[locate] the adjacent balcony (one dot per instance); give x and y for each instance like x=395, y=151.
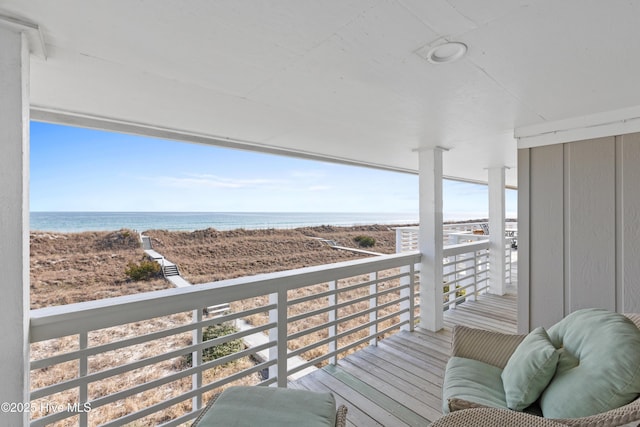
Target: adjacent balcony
x=351, y=328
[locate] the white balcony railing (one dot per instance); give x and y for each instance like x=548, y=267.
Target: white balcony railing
x=465, y=258
x=465, y=271
x=139, y=359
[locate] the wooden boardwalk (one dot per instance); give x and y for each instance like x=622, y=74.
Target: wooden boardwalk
x=398, y=382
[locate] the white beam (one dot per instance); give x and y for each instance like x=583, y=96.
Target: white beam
x=608, y=123
x=430, y=238
x=497, y=262
x=14, y=221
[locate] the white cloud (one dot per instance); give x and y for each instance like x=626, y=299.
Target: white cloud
x=214, y=181
x=311, y=173
x=319, y=188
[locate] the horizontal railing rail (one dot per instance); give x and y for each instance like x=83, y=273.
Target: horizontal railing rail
x=147, y=358
x=465, y=258
x=465, y=272
x=407, y=237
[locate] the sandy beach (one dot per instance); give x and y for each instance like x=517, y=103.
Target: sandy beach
x=74, y=267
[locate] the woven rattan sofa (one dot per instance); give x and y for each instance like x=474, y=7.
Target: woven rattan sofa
x=496, y=349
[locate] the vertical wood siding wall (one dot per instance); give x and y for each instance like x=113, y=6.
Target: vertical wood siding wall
x=579, y=228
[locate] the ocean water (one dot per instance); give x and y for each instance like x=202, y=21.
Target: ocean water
x=70, y=222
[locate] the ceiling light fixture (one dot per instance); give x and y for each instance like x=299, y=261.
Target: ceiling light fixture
x=446, y=53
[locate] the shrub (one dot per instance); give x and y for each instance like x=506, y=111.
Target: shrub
x=123, y=239
x=365, y=241
x=460, y=293
x=144, y=270
x=220, y=350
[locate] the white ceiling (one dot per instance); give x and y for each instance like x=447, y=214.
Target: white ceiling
x=339, y=79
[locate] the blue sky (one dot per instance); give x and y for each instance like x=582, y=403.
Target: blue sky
x=75, y=169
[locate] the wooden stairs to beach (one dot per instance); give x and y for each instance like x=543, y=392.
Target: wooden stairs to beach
x=146, y=242
x=170, y=270
x=171, y=273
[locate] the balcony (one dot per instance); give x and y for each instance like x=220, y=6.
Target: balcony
x=143, y=359
x=398, y=382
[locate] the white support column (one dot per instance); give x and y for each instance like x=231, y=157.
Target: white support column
x=497, y=262
x=430, y=239
x=14, y=220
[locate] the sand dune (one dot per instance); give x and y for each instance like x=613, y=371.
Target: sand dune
x=74, y=267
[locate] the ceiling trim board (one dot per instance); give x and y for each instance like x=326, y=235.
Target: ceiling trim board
x=609, y=123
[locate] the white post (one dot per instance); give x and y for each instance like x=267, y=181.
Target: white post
x=333, y=316
x=373, y=303
x=197, y=337
x=407, y=284
x=278, y=315
x=14, y=220
x=84, y=371
x=497, y=262
x=431, y=238
x=474, y=294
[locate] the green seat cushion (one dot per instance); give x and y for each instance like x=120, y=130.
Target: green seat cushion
x=473, y=381
x=270, y=407
x=529, y=370
x=599, y=365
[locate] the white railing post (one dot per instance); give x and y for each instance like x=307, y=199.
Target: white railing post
x=474, y=294
x=412, y=296
x=399, y=233
x=508, y=262
x=453, y=283
x=196, y=360
x=278, y=334
x=84, y=370
x=406, y=291
x=333, y=316
x=373, y=303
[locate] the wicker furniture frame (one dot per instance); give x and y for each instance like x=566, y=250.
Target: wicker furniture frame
x=495, y=349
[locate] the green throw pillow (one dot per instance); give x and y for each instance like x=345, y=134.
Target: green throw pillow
x=599, y=367
x=529, y=370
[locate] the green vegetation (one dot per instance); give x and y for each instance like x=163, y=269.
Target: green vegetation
x=365, y=241
x=220, y=350
x=459, y=293
x=144, y=270
x=123, y=239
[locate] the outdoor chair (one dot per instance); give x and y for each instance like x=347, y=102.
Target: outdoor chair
x=591, y=361
x=249, y=406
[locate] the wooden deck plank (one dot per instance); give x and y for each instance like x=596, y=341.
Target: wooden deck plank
x=399, y=368
x=435, y=365
x=355, y=416
x=426, y=392
x=357, y=397
x=392, y=406
x=382, y=367
x=399, y=381
x=399, y=391
x=417, y=362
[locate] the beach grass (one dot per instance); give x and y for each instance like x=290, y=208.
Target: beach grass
x=75, y=267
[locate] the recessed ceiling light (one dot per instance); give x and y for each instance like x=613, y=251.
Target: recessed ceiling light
x=446, y=53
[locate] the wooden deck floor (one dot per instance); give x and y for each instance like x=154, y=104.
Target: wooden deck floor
x=398, y=383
